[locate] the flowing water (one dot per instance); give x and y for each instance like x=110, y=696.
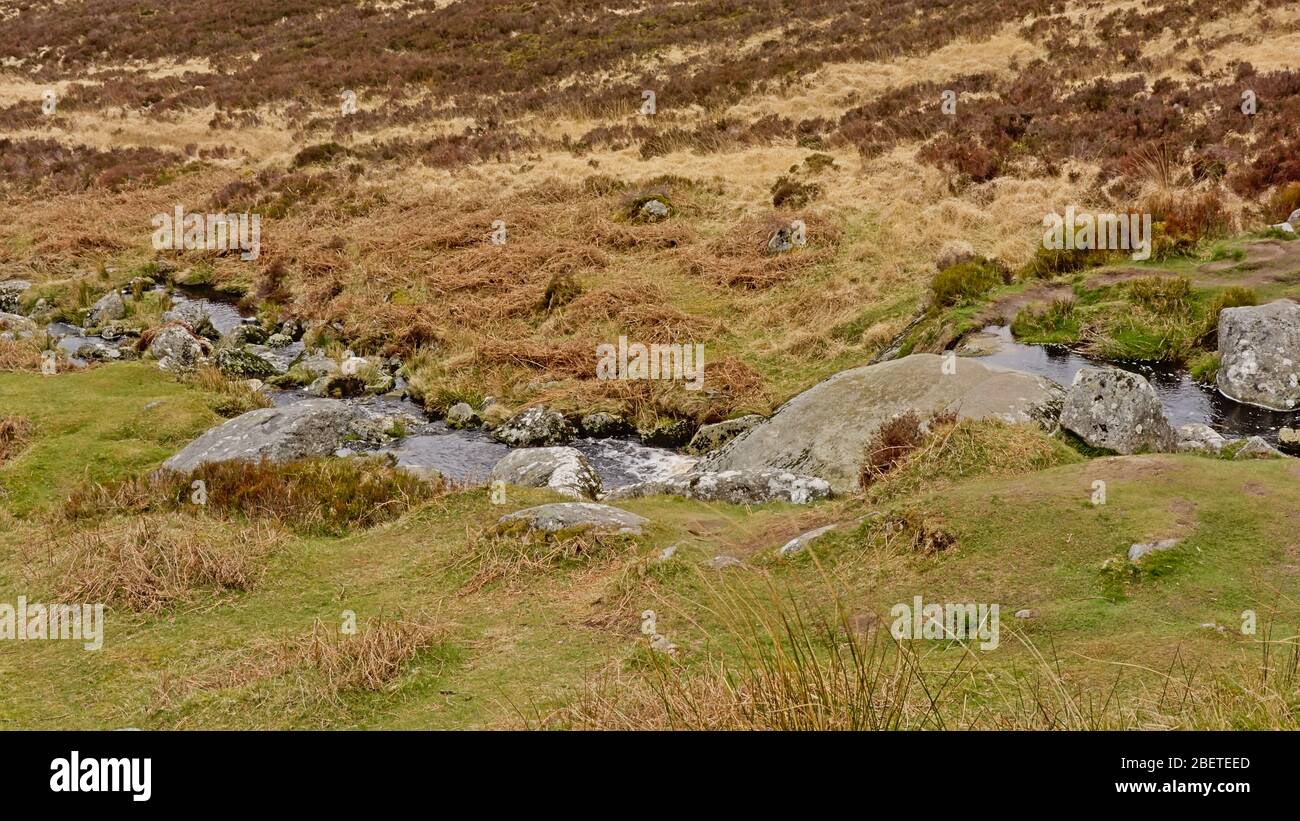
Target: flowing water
x=1184, y=400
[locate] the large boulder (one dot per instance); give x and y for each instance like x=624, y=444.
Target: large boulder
x=1117, y=410
x=109, y=307
x=534, y=427
x=739, y=487
x=242, y=363
x=564, y=470
x=315, y=427
x=575, y=516
x=711, y=437
x=825, y=430
x=17, y=324
x=11, y=294
x=1259, y=354
x=176, y=349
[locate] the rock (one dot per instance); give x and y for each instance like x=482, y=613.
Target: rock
x=20, y=326
x=711, y=437
x=461, y=415
x=190, y=313
x=823, y=431
x=1256, y=448
x=1294, y=219
x=723, y=562
x=11, y=294
x=254, y=384
x=1288, y=441
x=780, y=240
x=242, y=364
x=381, y=383
x=562, y=469
x=314, y=427
x=98, y=353
x=117, y=329
x=1024, y=614
x=587, y=516
x=1259, y=354
x=245, y=335
x=109, y=307
x=494, y=415
x=739, y=487
x=176, y=349
x=1137, y=551
x=534, y=427
x=279, y=341
x=337, y=386
x=1117, y=410
x=954, y=252
x=801, y=541
x=653, y=210
x=671, y=434
x=1199, y=438
x=316, y=365
x=601, y=425
x=668, y=552
x=1288, y=226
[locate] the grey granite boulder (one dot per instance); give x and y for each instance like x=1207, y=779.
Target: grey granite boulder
x=561, y=469
x=585, y=516
x=1117, y=410
x=1259, y=354
x=11, y=294
x=534, y=427
x=176, y=349
x=739, y=487
x=712, y=437
x=824, y=431
x=315, y=427
x=109, y=307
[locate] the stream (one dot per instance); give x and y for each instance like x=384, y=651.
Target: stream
x=1184, y=400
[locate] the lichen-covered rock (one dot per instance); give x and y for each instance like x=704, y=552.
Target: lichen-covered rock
x=824, y=431
x=315, y=427
x=712, y=437
x=671, y=434
x=242, y=363
x=602, y=425
x=107, y=308
x=1259, y=354
x=176, y=349
x=739, y=487
x=20, y=326
x=584, y=516
x=1255, y=447
x=1199, y=438
x=562, y=469
x=1137, y=551
x=11, y=294
x=534, y=427
x=1117, y=410
x=461, y=415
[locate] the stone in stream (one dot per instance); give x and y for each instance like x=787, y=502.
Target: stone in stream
x=1259, y=354
x=1198, y=437
x=1117, y=410
x=242, y=363
x=671, y=434
x=585, y=516
x=739, y=487
x=314, y=427
x=461, y=415
x=562, y=469
x=602, y=425
x=534, y=427
x=824, y=431
x=109, y=307
x=11, y=294
x=711, y=437
x=176, y=349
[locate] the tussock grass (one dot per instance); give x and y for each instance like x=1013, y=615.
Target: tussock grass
x=957, y=450
x=517, y=553
x=315, y=496
x=15, y=432
x=154, y=562
x=231, y=397
x=25, y=355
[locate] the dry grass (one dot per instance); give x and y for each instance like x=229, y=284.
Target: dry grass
x=25, y=356
x=156, y=562
x=493, y=557
x=15, y=432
